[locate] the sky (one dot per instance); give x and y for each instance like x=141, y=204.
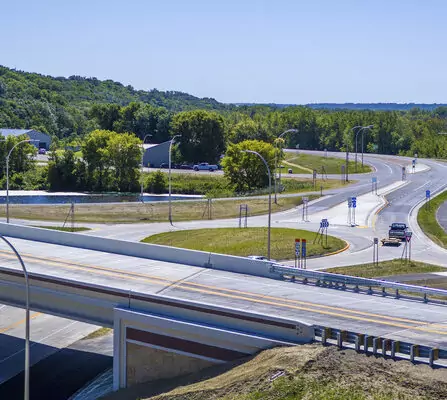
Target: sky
x=281, y=51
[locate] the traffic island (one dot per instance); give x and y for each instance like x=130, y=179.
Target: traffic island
x=428, y=222
x=249, y=241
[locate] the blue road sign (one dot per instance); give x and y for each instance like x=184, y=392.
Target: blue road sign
x=303, y=248
x=324, y=223
x=297, y=247
x=374, y=179
x=427, y=194
x=354, y=202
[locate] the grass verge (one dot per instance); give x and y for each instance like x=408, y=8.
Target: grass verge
x=98, y=333
x=387, y=268
x=301, y=163
x=246, y=241
x=150, y=212
x=428, y=222
x=63, y=229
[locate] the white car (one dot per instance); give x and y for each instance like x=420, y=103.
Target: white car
x=204, y=166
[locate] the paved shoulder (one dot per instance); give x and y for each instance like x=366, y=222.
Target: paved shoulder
x=442, y=216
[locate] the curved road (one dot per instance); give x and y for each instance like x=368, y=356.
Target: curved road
x=441, y=216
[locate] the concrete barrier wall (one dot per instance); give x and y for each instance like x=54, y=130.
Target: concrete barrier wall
x=143, y=250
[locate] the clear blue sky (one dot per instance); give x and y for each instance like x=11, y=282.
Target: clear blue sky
x=283, y=51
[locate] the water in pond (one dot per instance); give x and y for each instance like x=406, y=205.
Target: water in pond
x=96, y=198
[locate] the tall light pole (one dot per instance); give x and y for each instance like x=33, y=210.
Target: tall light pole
x=362, y=129
x=142, y=165
x=27, y=326
x=169, y=178
x=270, y=198
x=276, y=158
x=347, y=154
x=7, y=174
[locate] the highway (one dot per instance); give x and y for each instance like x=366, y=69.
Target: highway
x=399, y=319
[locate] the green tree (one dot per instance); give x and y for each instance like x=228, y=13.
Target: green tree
x=156, y=183
x=202, y=135
x=246, y=171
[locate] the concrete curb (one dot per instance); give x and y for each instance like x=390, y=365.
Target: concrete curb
x=337, y=251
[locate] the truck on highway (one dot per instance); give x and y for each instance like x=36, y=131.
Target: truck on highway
x=205, y=167
x=397, y=233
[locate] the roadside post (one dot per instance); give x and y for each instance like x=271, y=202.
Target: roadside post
x=349, y=210
x=404, y=173
x=354, y=206
x=408, y=238
x=427, y=199
x=314, y=178
x=376, y=252
x=71, y=213
x=297, y=252
x=414, y=165
x=243, y=213
x=374, y=184
x=343, y=174
x=325, y=153
x=325, y=226
x=305, y=208
x=303, y=253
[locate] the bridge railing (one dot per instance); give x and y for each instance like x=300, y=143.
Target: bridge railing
x=381, y=346
x=370, y=286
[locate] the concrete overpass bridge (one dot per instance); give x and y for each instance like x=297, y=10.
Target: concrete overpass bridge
x=190, y=307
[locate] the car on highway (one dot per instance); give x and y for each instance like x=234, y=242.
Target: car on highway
x=204, y=166
x=398, y=230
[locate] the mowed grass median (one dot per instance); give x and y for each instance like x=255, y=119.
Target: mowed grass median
x=428, y=222
x=246, y=241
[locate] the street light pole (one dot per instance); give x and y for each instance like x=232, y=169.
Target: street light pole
x=270, y=198
x=347, y=154
x=142, y=165
x=7, y=174
x=169, y=178
x=363, y=130
x=276, y=158
x=27, y=326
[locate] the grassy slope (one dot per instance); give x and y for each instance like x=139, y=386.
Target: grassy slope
x=386, y=268
x=428, y=223
x=332, y=165
x=311, y=372
x=246, y=241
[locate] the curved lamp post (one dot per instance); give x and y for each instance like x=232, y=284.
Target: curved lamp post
x=270, y=198
x=7, y=174
x=27, y=326
x=276, y=158
x=142, y=165
x=347, y=154
x=169, y=177
x=362, y=129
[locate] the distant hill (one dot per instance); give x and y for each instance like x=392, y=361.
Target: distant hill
x=355, y=106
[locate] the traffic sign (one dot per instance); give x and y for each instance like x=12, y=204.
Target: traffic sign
x=305, y=199
x=297, y=247
x=427, y=194
x=408, y=236
x=303, y=248
x=324, y=223
x=374, y=179
x=354, y=202
x=376, y=240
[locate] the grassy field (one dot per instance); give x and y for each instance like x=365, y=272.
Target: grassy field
x=148, y=212
x=63, y=229
x=246, y=241
x=309, y=372
x=306, y=163
x=387, y=268
x=428, y=223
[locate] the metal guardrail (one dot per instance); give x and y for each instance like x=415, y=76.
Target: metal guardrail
x=345, y=282
x=381, y=346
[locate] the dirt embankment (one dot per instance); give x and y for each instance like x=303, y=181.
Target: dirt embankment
x=302, y=372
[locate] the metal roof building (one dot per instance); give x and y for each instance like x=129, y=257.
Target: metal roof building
x=44, y=140
x=156, y=154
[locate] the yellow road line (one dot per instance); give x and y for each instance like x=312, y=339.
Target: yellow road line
x=196, y=287
x=18, y=323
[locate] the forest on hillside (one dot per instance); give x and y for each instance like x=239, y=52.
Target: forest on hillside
x=69, y=108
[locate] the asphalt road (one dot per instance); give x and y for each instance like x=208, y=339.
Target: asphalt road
x=391, y=318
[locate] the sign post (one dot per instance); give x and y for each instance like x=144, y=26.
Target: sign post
x=314, y=178
x=303, y=253
x=376, y=252
x=305, y=208
x=354, y=206
x=349, y=210
x=243, y=213
x=427, y=199
x=343, y=174
x=297, y=251
x=404, y=173
x=374, y=184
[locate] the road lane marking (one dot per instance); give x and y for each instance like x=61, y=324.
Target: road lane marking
x=248, y=296
x=18, y=323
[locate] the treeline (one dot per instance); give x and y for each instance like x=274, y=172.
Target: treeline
x=70, y=108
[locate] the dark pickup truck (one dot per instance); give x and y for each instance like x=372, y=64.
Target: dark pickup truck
x=398, y=231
